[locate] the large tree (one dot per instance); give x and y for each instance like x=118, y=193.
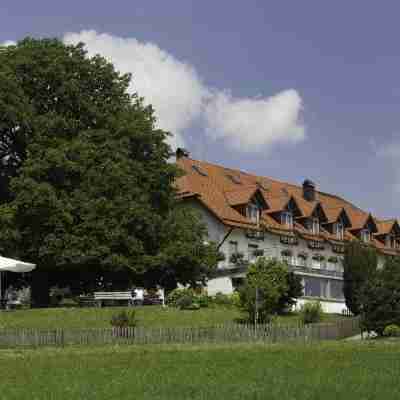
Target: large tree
x=380, y=298
x=360, y=265
x=86, y=186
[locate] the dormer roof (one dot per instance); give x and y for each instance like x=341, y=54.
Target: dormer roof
x=389, y=226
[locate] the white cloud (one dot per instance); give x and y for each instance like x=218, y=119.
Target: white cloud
x=180, y=97
x=252, y=124
x=171, y=86
x=389, y=150
x=8, y=43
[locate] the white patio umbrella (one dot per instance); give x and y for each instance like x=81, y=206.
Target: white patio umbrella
x=8, y=264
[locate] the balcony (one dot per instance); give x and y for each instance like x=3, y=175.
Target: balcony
x=316, y=271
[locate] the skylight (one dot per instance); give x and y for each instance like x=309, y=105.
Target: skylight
x=264, y=185
x=199, y=170
x=234, y=179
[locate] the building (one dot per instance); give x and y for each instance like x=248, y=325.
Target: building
x=251, y=216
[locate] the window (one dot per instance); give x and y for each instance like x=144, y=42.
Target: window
x=233, y=248
x=391, y=242
x=365, y=235
x=312, y=287
x=315, y=226
x=253, y=213
x=302, y=259
x=339, y=230
x=287, y=219
x=252, y=252
x=316, y=262
x=317, y=287
x=336, y=291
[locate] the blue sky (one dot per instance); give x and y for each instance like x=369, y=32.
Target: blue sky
x=290, y=90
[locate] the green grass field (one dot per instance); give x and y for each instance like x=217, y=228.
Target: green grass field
x=328, y=371
x=148, y=316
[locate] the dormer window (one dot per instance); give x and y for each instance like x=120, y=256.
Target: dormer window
x=365, y=235
x=287, y=219
x=391, y=241
x=339, y=230
x=253, y=213
x=313, y=226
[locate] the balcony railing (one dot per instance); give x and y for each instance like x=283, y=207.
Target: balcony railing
x=316, y=271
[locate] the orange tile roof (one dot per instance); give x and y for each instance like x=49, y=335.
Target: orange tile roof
x=216, y=189
x=240, y=196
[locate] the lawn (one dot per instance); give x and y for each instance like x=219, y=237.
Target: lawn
x=329, y=371
x=148, y=316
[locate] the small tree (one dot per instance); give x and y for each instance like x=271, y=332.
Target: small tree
x=266, y=285
x=360, y=264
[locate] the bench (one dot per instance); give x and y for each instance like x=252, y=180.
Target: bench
x=99, y=297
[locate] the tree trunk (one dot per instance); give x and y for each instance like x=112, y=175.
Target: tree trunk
x=40, y=289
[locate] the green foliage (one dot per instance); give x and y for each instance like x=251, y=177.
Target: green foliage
x=266, y=284
x=175, y=295
x=124, y=319
x=329, y=371
x=203, y=300
x=85, y=186
x=311, y=312
x=360, y=265
x=222, y=299
x=380, y=298
x=295, y=290
x=185, y=302
x=392, y=330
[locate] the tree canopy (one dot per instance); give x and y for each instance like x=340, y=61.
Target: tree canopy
x=86, y=184
x=269, y=284
x=360, y=264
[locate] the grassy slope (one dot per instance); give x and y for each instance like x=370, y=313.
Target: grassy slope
x=328, y=371
x=148, y=316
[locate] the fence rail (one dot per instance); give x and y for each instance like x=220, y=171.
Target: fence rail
x=231, y=333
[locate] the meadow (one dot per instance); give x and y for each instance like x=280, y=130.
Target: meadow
x=329, y=371
x=147, y=316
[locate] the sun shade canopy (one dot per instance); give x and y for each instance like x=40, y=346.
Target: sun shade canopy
x=8, y=264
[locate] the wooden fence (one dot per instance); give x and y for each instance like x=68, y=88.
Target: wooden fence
x=271, y=333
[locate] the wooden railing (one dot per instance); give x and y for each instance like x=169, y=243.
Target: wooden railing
x=270, y=333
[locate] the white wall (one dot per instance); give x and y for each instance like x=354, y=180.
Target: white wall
x=329, y=307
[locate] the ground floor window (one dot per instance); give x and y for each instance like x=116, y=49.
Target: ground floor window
x=336, y=289
x=323, y=288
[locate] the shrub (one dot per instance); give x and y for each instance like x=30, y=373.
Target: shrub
x=174, y=296
x=311, y=312
x=124, y=319
x=185, y=302
x=392, y=330
x=203, y=300
x=222, y=299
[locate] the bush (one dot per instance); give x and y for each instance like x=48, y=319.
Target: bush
x=174, y=296
x=392, y=330
x=124, y=319
x=203, y=301
x=222, y=299
x=185, y=302
x=311, y=312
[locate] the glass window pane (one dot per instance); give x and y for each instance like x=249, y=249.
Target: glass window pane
x=312, y=286
x=336, y=289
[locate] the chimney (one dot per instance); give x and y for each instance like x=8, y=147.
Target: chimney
x=309, y=190
x=181, y=152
